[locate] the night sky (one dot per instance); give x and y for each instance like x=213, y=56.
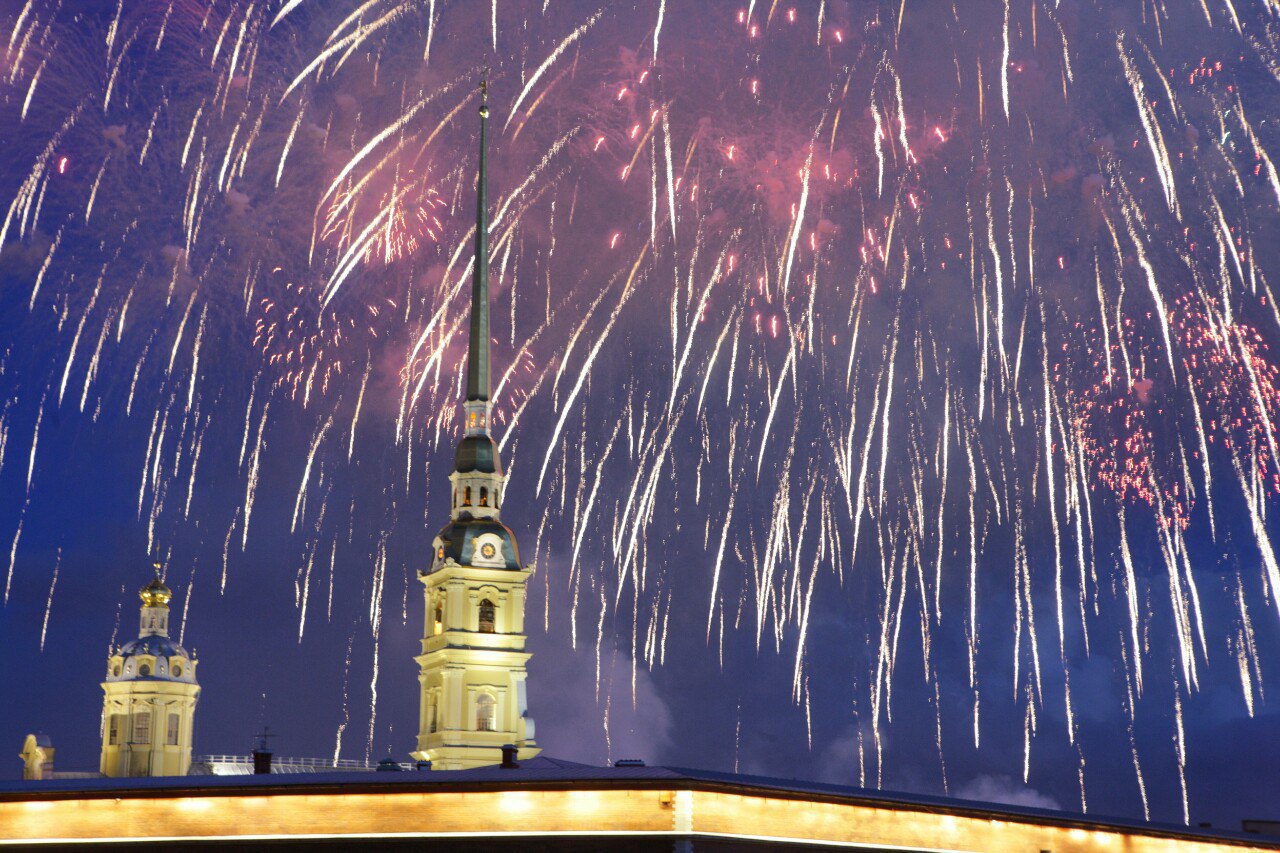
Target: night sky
x=889, y=390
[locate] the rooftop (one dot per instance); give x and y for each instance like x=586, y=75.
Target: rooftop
x=546, y=797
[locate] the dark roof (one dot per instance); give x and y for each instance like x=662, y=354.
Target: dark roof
x=458, y=539
x=547, y=773
x=477, y=453
x=153, y=644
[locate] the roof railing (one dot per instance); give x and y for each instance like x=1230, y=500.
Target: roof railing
x=287, y=763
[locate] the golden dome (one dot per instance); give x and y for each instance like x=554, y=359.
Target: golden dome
x=155, y=594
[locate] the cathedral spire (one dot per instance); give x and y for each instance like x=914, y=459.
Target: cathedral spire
x=472, y=668
x=478, y=351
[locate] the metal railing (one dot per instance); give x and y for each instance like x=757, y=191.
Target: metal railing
x=235, y=763
x=311, y=763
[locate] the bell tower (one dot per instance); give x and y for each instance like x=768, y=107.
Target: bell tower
x=149, y=697
x=472, y=667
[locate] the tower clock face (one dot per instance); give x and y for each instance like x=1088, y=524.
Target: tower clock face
x=487, y=550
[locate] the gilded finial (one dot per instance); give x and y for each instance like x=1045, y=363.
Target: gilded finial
x=155, y=594
x=484, y=93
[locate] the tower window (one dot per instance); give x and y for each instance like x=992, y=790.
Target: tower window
x=177, y=670
x=142, y=727
x=438, y=627
x=466, y=496
x=113, y=729
x=484, y=496
x=431, y=714
x=484, y=713
x=144, y=670
x=171, y=737
x=486, y=616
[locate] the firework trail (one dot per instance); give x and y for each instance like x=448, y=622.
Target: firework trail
x=952, y=326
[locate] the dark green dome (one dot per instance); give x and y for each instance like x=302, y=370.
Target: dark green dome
x=477, y=453
x=458, y=541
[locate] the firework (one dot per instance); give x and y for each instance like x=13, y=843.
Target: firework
x=957, y=321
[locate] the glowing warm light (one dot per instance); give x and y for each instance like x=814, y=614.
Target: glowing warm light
x=358, y=811
x=516, y=801
x=585, y=799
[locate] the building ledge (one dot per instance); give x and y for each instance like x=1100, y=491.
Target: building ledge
x=545, y=798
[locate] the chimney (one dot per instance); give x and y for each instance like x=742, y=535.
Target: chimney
x=262, y=754
x=509, y=757
x=261, y=760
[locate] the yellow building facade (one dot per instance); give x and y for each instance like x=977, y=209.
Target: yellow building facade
x=149, y=698
x=472, y=666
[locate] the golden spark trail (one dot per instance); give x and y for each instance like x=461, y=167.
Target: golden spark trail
x=583, y=372
x=355, y=417
x=48, y=605
x=251, y=481
x=1151, y=125
x=1004, y=63
x=75, y=340
x=542, y=69
x=13, y=548
x=306, y=474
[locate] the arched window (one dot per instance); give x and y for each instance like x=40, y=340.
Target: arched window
x=484, y=496
x=438, y=628
x=484, y=713
x=431, y=713
x=486, y=616
x=466, y=496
